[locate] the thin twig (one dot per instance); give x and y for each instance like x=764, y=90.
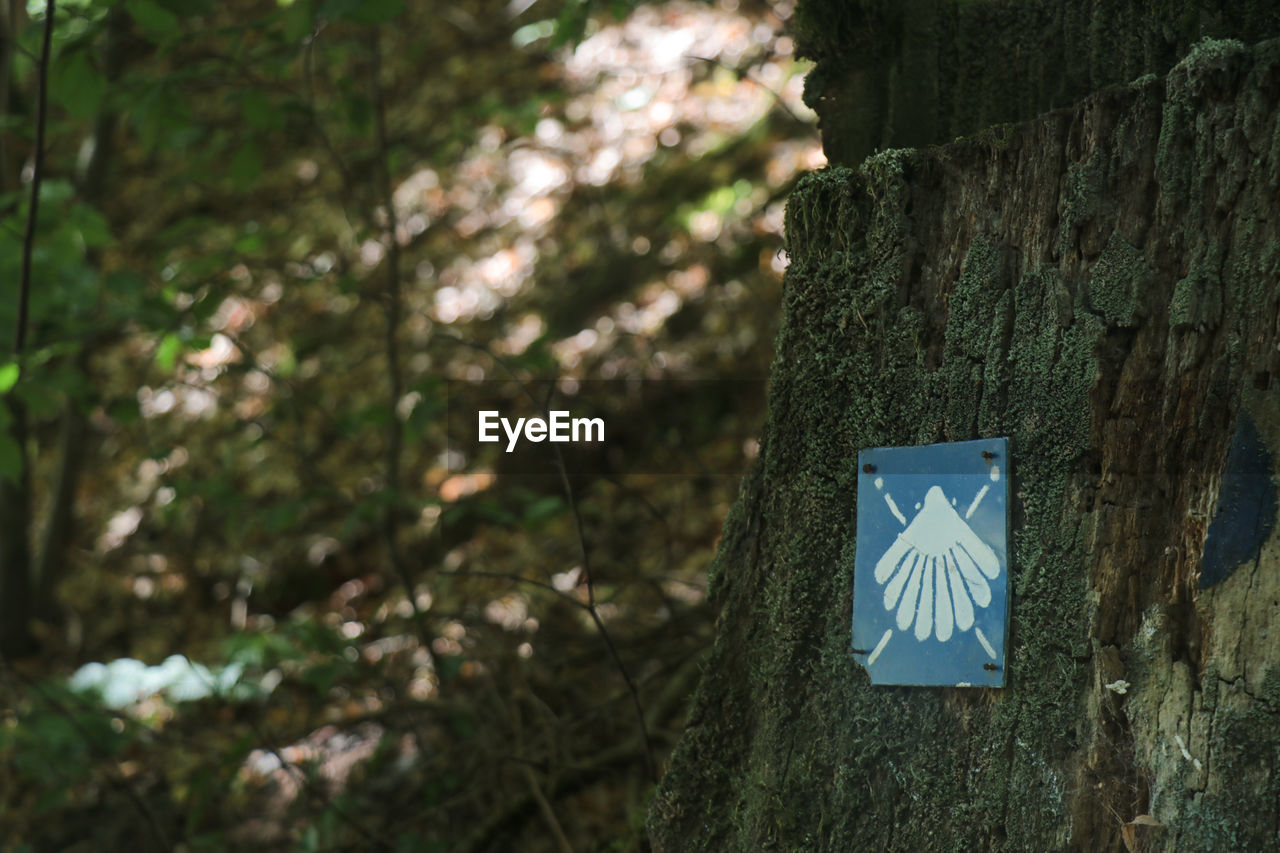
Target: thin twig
x=24, y=53
x=392, y=306
x=548, y=813
x=319, y=794
x=745, y=74
x=651, y=764
x=37, y=177
x=17, y=608
x=392, y=310
x=514, y=578
x=308, y=74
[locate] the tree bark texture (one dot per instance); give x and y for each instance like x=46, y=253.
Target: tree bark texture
x=1100, y=285
x=899, y=73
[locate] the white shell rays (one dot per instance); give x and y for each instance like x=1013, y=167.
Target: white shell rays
x=937, y=570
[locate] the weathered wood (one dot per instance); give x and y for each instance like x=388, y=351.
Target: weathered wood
x=1100, y=285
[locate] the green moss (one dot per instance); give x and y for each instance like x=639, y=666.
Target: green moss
x=1120, y=278
x=1181, y=164
x=1197, y=300
x=1083, y=200
x=971, y=307
x=975, y=333
x=1210, y=54
x=825, y=205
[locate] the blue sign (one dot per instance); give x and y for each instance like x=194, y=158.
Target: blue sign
x=931, y=571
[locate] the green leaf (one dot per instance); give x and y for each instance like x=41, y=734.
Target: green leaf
x=127, y=297
x=259, y=112
x=281, y=517
x=8, y=377
x=188, y=8
x=56, y=191
x=10, y=458
x=571, y=23
x=41, y=400
x=299, y=21
x=249, y=243
x=245, y=166
x=150, y=15
x=167, y=352
x=92, y=226
x=286, y=362
x=77, y=86
x=370, y=13
x=124, y=281
x=449, y=667
x=542, y=509
x=359, y=112
x=124, y=411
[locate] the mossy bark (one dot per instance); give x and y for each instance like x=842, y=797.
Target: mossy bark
x=907, y=73
x=1100, y=285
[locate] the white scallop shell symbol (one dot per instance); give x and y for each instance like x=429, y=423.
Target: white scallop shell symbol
x=937, y=570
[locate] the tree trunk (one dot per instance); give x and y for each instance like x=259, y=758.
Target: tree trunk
x=1099, y=285
x=906, y=73
x=16, y=638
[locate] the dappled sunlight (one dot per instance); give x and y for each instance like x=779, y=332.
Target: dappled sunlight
x=303, y=254
x=463, y=485
x=519, y=336
x=663, y=78
x=469, y=289
x=126, y=683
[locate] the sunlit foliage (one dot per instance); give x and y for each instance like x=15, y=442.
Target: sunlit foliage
x=270, y=236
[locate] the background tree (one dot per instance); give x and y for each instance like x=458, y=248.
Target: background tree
x=1099, y=285
x=268, y=237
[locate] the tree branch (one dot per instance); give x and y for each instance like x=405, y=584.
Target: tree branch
x=392, y=310
x=650, y=762
x=37, y=176
x=73, y=441
x=15, y=495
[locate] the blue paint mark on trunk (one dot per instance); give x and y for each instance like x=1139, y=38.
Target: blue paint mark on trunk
x=1246, y=512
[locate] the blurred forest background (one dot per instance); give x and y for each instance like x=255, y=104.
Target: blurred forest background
x=250, y=599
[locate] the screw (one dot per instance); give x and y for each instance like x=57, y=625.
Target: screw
x=988, y=455
x=868, y=468
x=990, y=667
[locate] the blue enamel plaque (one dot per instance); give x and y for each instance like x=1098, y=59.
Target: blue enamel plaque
x=931, y=572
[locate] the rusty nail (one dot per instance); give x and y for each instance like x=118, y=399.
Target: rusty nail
x=868, y=468
x=988, y=455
